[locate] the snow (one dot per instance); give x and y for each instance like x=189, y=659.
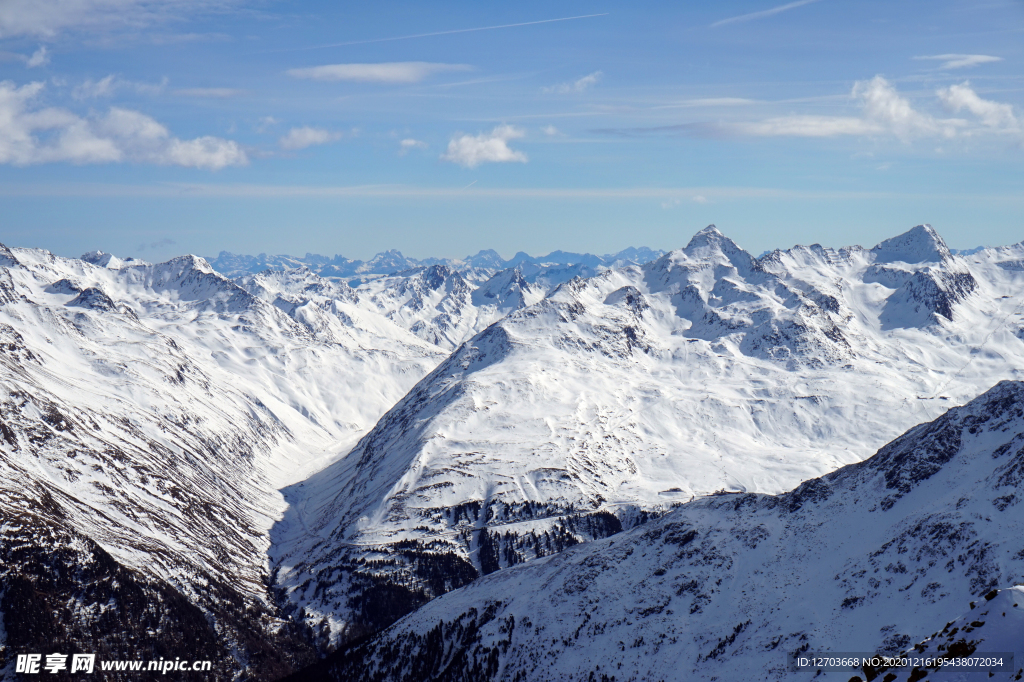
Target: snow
x=289, y=429
x=640, y=388
x=871, y=558
x=159, y=408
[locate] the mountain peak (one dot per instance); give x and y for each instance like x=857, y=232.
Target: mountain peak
x=709, y=236
x=189, y=262
x=710, y=241
x=7, y=258
x=101, y=259
x=485, y=258
x=918, y=245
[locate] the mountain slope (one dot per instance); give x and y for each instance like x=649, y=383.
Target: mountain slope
x=872, y=557
x=439, y=306
x=617, y=397
x=149, y=414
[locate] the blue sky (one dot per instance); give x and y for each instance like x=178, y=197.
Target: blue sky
x=155, y=127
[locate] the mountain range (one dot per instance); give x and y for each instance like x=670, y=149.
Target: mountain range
x=483, y=264
x=391, y=466
x=874, y=557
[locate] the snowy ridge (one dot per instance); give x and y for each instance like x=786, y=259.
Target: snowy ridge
x=285, y=460
x=474, y=268
x=150, y=413
x=441, y=307
x=868, y=558
x=619, y=396
x=995, y=624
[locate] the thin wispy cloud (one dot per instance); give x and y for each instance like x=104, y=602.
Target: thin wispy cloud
x=217, y=93
x=107, y=86
x=180, y=38
x=300, y=138
x=577, y=86
x=48, y=19
x=384, y=72
x=265, y=123
x=40, y=57
x=91, y=89
x=708, y=102
x=960, y=61
x=160, y=243
x=441, y=33
x=675, y=202
x=30, y=135
x=408, y=144
x=884, y=112
x=764, y=13
x=472, y=150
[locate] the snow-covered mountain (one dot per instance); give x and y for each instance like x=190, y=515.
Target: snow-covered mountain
x=874, y=557
x=617, y=397
x=552, y=269
x=438, y=305
x=264, y=468
x=434, y=303
x=149, y=414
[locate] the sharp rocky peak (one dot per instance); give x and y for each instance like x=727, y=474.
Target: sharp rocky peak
x=435, y=276
x=7, y=259
x=711, y=238
x=920, y=244
x=188, y=263
x=710, y=242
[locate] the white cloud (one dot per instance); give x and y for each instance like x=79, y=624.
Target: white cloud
x=265, y=124
x=550, y=131
x=579, y=85
x=676, y=201
x=40, y=57
x=884, y=112
x=219, y=93
x=300, y=138
x=763, y=13
x=960, y=61
x=31, y=135
x=107, y=86
x=807, y=126
x=884, y=107
x=472, y=150
x=49, y=17
x=992, y=114
x=91, y=89
x=408, y=144
x=208, y=152
x=385, y=72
